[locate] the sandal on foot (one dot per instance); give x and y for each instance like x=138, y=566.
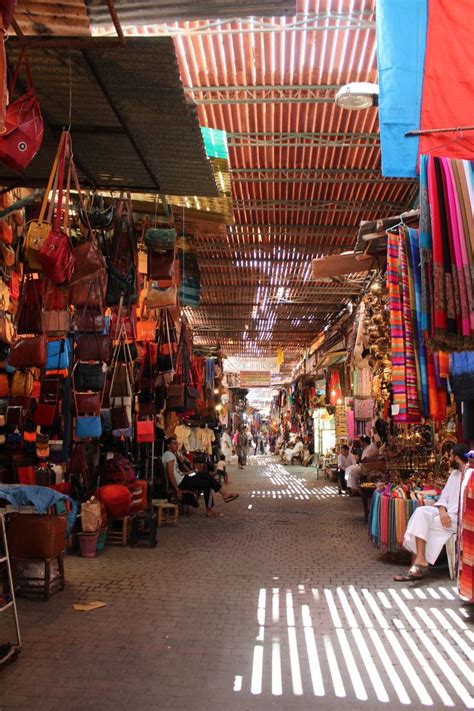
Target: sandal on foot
x=231, y=497
x=416, y=572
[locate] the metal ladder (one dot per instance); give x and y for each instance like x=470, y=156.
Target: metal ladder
x=8, y=590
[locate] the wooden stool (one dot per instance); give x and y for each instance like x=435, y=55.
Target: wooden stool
x=167, y=514
x=143, y=528
x=120, y=535
x=39, y=585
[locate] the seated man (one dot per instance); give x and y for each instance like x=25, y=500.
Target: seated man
x=191, y=481
x=353, y=472
x=430, y=527
x=344, y=460
x=291, y=452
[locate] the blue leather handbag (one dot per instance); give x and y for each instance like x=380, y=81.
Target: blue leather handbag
x=87, y=427
x=58, y=354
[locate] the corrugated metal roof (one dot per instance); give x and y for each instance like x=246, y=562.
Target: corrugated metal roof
x=131, y=124
x=150, y=12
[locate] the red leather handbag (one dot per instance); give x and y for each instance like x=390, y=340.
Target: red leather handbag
x=45, y=414
x=23, y=134
x=29, y=352
x=93, y=347
x=161, y=264
x=145, y=431
x=56, y=254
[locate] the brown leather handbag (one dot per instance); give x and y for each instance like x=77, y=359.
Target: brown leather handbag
x=29, y=352
x=161, y=264
x=93, y=346
x=88, y=403
x=22, y=383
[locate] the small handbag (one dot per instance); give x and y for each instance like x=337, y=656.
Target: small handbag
x=88, y=427
x=161, y=264
x=22, y=382
x=146, y=330
x=145, y=431
x=50, y=389
x=4, y=385
x=89, y=376
x=95, y=215
x=23, y=134
x=160, y=238
x=38, y=230
x=93, y=347
x=87, y=403
x=120, y=385
x=58, y=354
x=157, y=297
x=122, y=282
x=56, y=322
x=119, y=417
x=88, y=321
x=45, y=414
x=28, y=352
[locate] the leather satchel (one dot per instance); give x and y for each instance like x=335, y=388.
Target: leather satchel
x=89, y=263
x=56, y=322
x=122, y=281
x=121, y=381
x=158, y=297
x=119, y=417
x=88, y=376
x=57, y=256
x=93, y=347
x=145, y=431
x=50, y=389
x=160, y=238
x=22, y=382
x=181, y=397
x=88, y=321
x=87, y=403
x=96, y=216
x=29, y=352
x=23, y=133
x=161, y=264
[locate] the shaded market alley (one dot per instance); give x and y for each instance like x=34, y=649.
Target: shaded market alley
x=283, y=603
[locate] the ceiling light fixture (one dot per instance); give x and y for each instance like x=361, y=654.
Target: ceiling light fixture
x=358, y=95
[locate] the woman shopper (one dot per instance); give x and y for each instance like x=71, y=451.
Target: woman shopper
x=242, y=447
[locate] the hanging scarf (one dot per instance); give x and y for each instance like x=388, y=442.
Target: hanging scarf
x=414, y=239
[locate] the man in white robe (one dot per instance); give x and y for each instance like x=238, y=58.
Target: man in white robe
x=430, y=527
x=291, y=452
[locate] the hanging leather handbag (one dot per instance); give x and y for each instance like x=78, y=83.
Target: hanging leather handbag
x=106, y=419
x=95, y=215
x=22, y=382
x=29, y=317
x=23, y=134
x=6, y=327
x=93, y=347
x=88, y=427
x=51, y=388
x=88, y=321
x=146, y=330
x=28, y=352
x=58, y=354
x=181, y=397
x=38, y=230
x=87, y=403
x=56, y=254
x=120, y=386
x=6, y=233
x=89, y=292
x=45, y=413
x=160, y=238
x=127, y=320
x=89, y=263
x=119, y=417
x=126, y=353
x=158, y=297
x=122, y=281
x=56, y=323
x=161, y=264
x=145, y=431
x=89, y=376
x=4, y=385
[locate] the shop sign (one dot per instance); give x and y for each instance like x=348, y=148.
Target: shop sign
x=255, y=378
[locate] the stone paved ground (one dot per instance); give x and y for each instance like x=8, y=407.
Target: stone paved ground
x=281, y=604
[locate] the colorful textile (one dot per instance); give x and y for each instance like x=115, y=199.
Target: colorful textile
x=448, y=88
x=427, y=84
x=466, y=543
x=388, y=518
x=404, y=371
x=400, y=81
x=446, y=248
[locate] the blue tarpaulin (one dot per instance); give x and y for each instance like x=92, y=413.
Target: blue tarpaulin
x=401, y=46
